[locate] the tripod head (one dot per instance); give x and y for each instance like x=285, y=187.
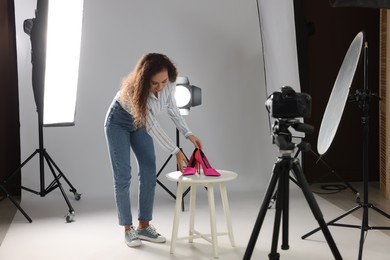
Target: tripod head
x=286, y=107
x=282, y=137
x=363, y=97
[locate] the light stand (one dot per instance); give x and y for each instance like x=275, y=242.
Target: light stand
x=55, y=170
x=186, y=96
x=37, y=29
x=363, y=97
x=281, y=173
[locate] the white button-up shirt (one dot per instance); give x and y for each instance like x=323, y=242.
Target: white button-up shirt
x=165, y=101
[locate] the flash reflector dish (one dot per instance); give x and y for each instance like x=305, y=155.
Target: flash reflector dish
x=335, y=107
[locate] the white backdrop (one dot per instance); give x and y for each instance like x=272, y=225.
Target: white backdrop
x=217, y=44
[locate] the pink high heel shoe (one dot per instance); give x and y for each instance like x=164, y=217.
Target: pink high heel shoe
x=192, y=166
x=207, y=169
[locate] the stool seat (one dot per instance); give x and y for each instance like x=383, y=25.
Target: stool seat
x=193, y=181
x=201, y=178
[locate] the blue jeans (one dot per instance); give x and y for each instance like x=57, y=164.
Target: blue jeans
x=122, y=138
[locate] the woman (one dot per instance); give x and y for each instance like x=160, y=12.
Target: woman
x=130, y=125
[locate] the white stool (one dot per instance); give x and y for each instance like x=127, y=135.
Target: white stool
x=201, y=180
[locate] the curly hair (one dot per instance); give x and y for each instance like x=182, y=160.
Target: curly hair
x=135, y=87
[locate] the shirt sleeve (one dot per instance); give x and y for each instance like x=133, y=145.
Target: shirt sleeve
x=154, y=128
x=158, y=134
x=174, y=113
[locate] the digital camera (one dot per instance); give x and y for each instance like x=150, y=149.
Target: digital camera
x=289, y=104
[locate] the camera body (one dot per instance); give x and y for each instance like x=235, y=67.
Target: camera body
x=289, y=104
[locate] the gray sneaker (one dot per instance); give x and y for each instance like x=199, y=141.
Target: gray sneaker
x=132, y=238
x=150, y=234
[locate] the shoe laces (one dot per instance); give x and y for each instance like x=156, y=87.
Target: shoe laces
x=152, y=230
x=132, y=233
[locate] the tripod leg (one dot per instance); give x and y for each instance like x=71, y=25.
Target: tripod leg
x=160, y=183
x=15, y=203
x=10, y=176
x=21, y=166
x=363, y=231
x=163, y=186
x=61, y=174
x=315, y=208
x=166, y=189
x=380, y=211
x=165, y=164
x=286, y=192
x=70, y=215
x=273, y=199
x=261, y=215
x=332, y=221
x=278, y=213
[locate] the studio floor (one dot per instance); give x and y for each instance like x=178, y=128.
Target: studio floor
x=94, y=233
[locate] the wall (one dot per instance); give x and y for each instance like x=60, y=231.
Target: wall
x=215, y=43
x=384, y=141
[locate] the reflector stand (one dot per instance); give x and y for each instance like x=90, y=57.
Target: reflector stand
x=362, y=97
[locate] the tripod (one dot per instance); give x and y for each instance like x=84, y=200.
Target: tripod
x=284, y=164
x=362, y=97
x=54, y=169
x=332, y=171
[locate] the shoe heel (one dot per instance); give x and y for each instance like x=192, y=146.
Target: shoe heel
x=207, y=169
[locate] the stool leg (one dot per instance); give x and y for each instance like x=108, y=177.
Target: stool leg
x=210, y=191
x=192, y=212
x=226, y=210
x=176, y=218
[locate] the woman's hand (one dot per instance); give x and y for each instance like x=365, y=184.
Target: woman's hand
x=181, y=160
x=196, y=141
